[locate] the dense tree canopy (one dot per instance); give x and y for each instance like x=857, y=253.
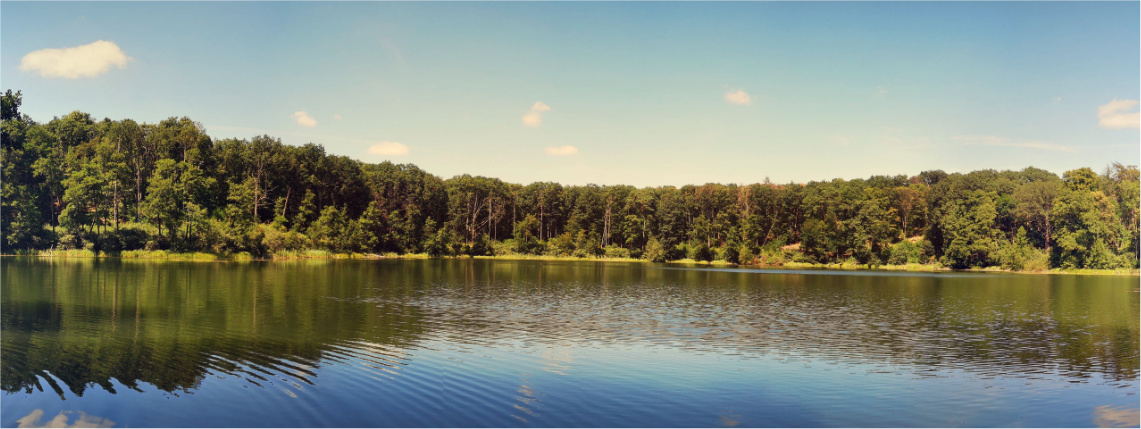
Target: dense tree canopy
x=75, y=182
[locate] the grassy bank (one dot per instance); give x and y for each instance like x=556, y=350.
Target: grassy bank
x=321, y=254
x=524, y=257
x=854, y=266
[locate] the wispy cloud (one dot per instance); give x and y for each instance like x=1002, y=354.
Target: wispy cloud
x=1005, y=142
x=534, y=117
x=388, y=149
x=1116, y=114
x=738, y=97
x=562, y=150
x=337, y=117
x=304, y=119
x=881, y=90
x=88, y=60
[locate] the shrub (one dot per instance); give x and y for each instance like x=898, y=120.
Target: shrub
x=480, y=247
x=732, y=254
x=440, y=243
x=904, y=252
x=277, y=239
x=701, y=252
x=562, y=245
x=745, y=255
x=505, y=247
x=1021, y=255
x=654, y=251
x=613, y=251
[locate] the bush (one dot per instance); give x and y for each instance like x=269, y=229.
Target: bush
x=654, y=251
x=926, y=251
x=562, y=245
x=701, y=252
x=613, y=251
x=745, y=255
x=277, y=239
x=779, y=257
x=587, y=245
x=1021, y=255
x=636, y=253
x=480, y=247
x=904, y=252
x=732, y=254
x=530, y=246
x=440, y=243
x=505, y=247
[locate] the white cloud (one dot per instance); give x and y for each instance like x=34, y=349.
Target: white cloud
x=738, y=97
x=304, y=119
x=337, y=117
x=881, y=90
x=88, y=60
x=562, y=150
x=1116, y=114
x=388, y=149
x=1005, y=142
x=534, y=117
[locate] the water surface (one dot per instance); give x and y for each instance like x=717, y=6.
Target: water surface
x=540, y=343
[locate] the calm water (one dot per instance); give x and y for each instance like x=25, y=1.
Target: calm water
x=498, y=343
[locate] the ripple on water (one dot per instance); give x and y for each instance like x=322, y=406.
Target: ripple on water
x=425, y=338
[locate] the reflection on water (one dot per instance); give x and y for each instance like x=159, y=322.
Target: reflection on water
x=82, y=420
x=1106, y=416
x=74, y=325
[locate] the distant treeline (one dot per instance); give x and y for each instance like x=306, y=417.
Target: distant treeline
x=109, y=186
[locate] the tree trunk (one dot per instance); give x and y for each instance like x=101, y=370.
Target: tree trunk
x=286, y=205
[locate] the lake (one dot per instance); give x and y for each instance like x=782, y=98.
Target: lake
x=558, y=343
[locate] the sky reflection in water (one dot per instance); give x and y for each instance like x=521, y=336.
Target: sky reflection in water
x=498, y=343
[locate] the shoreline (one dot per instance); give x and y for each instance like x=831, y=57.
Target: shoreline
x=322, y=255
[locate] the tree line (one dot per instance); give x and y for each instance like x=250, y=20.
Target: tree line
x=109, y=186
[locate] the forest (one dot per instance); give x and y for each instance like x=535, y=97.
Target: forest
x=115, y=186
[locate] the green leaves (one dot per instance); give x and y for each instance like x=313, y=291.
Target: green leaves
x=241, y=195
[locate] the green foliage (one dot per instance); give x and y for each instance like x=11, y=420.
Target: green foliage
x=969, y=227
x=165, y=196
x=440, y=241
x=335, y=232
x=11, y=105
x=905, y=252
x=562, y=245
x=1089, y=235
x=1021, y=255
x=526, y=241
x=481, y=246
x=23, y=223
x=815, y=244
x=731, y=254
x=655, y=252
x=116, y=186
x=745, y=255
x=586, y=245
x=277, y=240
x=1082, y=179
x=701, y=252
x=615, y=251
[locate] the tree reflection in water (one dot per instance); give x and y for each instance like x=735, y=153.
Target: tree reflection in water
x=74, y=324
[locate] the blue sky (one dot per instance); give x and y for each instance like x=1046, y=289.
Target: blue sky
x=636, y=93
